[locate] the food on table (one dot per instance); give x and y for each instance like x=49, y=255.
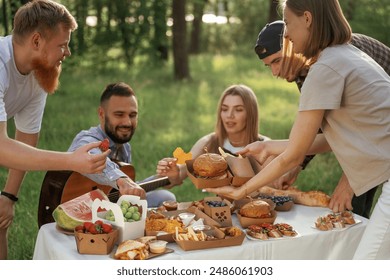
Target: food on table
x=308, y=198
x=348, y=217
x=232, y=231
x=131, y=212
x=158, y=222
x=191, y=235
x=157, y=246
x=265, y=231
x=282, y=203
x=181, y=156
x=257, y=231
x=335, y=220
x=98, y=227
x=210, y=166
x=286, y=229
x=256, y=209
x=75, y=212
x=324, y=223
x=216, y=203
x=131, y=250
x=104, y=145
x=170, y=205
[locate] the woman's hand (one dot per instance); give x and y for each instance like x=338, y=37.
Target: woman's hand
x=229, y=192
x=168, y=167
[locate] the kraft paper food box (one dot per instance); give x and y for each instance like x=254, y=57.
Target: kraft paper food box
x=202, y=183
x=221, y=241
x=242, y=168
x=221, y=214
x=127, y=230
x=198, y=215
x=96, y=244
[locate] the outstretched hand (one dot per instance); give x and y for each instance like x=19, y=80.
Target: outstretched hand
x=341, y=198
x=258, y=151
x=84, y=162
x=229, y=192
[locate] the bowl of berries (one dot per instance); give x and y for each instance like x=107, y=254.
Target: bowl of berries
x=282, y=203
x=96, y=238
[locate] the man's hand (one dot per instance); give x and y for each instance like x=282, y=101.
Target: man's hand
x=342, y=196
x=6, y=212
x=168, y=167
x=127, y=186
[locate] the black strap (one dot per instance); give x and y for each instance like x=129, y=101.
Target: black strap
x=306, y=161
x=9, y=195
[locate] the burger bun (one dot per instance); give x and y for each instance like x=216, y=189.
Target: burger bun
x=210, y=166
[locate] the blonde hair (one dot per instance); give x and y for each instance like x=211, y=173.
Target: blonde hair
x=43, y=16
x=329, y=26
x=252, y=116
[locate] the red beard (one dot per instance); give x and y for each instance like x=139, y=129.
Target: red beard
x=47, y=77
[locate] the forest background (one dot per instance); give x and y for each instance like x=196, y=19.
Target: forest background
x=178, y=55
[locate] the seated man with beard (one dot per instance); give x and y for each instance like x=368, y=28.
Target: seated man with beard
x=30, y=66
x=118, y=115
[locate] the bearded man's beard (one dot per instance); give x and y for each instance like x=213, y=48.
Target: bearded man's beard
x=47, y=76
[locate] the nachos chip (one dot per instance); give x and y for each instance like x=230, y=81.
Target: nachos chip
x=181, y=155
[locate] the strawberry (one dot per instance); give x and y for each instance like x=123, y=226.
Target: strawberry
x=95, y=229
x=79, y=228
x=107, y=228
x=104, y=145
x=87, y=225
x=99, y=222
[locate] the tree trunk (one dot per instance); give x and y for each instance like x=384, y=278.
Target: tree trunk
x=5, y=18
x=273, y=7
x=179, y=30
x=196, y=31
x=160, y=42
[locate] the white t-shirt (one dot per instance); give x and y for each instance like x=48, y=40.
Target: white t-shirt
x=355, y=93
x=21, y=96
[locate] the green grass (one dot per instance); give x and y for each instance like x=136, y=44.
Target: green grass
x=171, y=114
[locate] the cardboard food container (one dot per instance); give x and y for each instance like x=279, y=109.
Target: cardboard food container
x=198, y=215
x=242, y=168
x=202, y=183
x=96, y=244
x=245, y=221
x=222, y=214
x=127, y=230
x=221, y=241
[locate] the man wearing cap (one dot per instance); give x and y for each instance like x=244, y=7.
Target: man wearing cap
x=269, y=49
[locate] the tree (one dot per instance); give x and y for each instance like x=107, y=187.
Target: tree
x=179, y=32
x=273, y=10
x=196, y=31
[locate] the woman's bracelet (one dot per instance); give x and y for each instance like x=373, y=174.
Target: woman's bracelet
x=9, y=195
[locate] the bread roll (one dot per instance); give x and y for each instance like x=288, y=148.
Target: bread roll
x=309, y=198
x=210, y=165
x=256, y=209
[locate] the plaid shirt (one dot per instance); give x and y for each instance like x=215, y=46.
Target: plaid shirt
x=377, y=50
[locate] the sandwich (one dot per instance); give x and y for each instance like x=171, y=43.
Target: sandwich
x=210, y=166
x=131, y=250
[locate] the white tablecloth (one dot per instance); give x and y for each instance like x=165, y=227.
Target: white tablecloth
x=310, y=244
